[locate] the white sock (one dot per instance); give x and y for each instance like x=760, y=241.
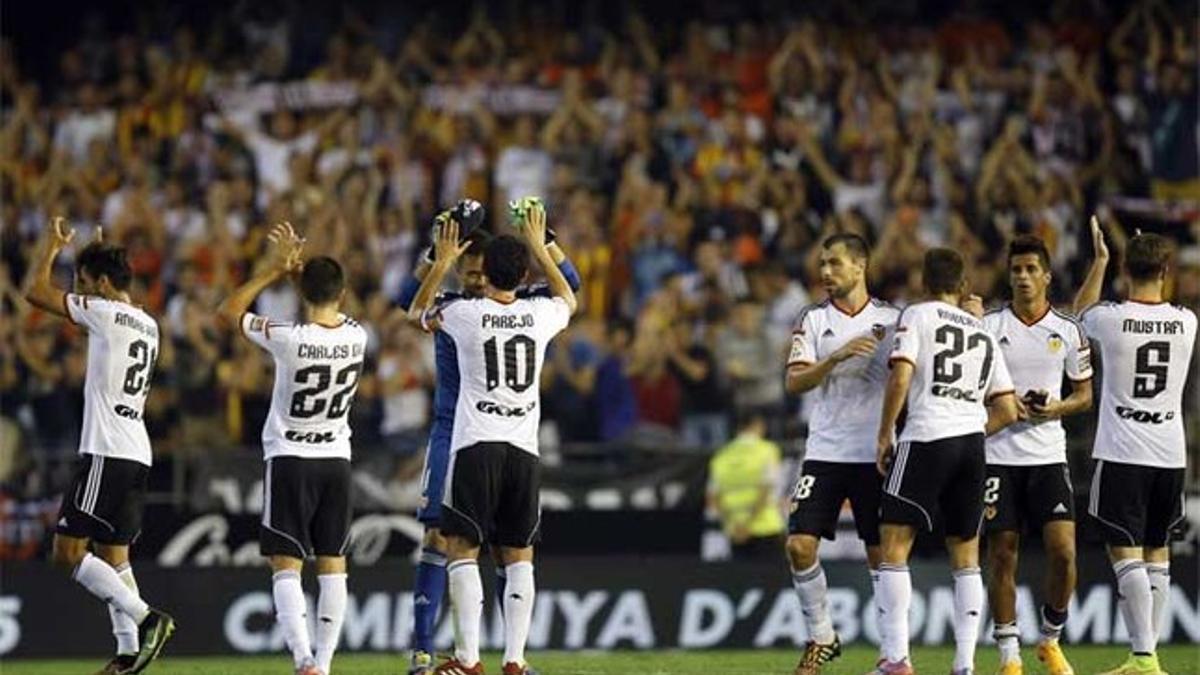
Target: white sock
x=1008, y=639
x=812, y=589
x=466, y=600
x=518, y=610
x=331, y=611
x=1160, y=591
x=968, y=608
x=125, y=629
x=291, y=611
x=1136, y=603
x=895, y=596
x=102, y=581
x=878, y=614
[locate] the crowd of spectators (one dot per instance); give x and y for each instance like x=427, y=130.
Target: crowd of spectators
x=691, y=161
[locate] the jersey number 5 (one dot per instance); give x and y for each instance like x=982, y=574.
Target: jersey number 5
x=137, y=377
x=516, y=378
x=338, y=404
x=1150, y=376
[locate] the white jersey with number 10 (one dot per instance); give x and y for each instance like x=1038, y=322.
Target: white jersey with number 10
x=500, y=350
x=1145, y=352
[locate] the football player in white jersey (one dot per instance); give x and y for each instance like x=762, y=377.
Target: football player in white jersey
x=306, y=440
x=1140, y=451
x=1028, y=482
x=103, y=506
x=839, y=353
x=945, y=365
x=492, y=484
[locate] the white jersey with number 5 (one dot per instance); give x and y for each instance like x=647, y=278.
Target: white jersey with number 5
x=316, y=374
x=500, y=349
x=957, y=369
x=122, y=349
x=1145, y=352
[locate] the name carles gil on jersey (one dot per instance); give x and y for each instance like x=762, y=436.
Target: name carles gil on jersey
x=123, y=319
x=507, y=321
x=320, y=352
x=1145, y=326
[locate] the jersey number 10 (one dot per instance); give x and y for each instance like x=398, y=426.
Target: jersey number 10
x=517, y=379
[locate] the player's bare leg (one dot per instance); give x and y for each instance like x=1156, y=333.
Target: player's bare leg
x=808, y=578
x=291, y=611
x=466, y=603
x=1135, y=599
x=894, y=598
x=154, y=628
x=1003, y=549
x=429, y=588
x=331, y=608
x=519, y=591
x=968, y=600
x=1059, y=538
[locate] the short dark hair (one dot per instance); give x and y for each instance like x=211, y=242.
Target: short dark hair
x=479, y=240
x=105, y=260
x=1146, y=256
x=1027, y=243
x=321, y=281
x=855, y=244
x=942, y=271
x=505, y=262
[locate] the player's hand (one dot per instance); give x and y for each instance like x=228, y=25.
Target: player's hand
x=1099, y=248
x=860, y=346
x=446, y=246
x=286, y=248
x=59, y=234
x=1023, y=414
x=1042, y=412
x=883, y=454
x=534, y=227
x=973, y=305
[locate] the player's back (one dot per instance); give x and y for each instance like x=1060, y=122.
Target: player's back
x=122, y=350
x=956, y=370
x=500, y=350
x=317, y=369
x=1145, y=350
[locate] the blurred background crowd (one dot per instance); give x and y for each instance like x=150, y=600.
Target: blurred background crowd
x=691, y=156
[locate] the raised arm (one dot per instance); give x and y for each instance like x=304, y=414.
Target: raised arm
x=534, y=229
x=40, y=290
x=1093, y=283
x=283, y=257
x=446, y=250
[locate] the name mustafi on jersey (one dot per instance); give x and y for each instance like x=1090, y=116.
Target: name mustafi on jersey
x=1151, y=326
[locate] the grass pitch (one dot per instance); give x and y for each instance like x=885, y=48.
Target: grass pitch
x=856, y=660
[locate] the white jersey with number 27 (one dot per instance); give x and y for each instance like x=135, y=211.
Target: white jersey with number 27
x=957, y=369
x=1145, y=352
